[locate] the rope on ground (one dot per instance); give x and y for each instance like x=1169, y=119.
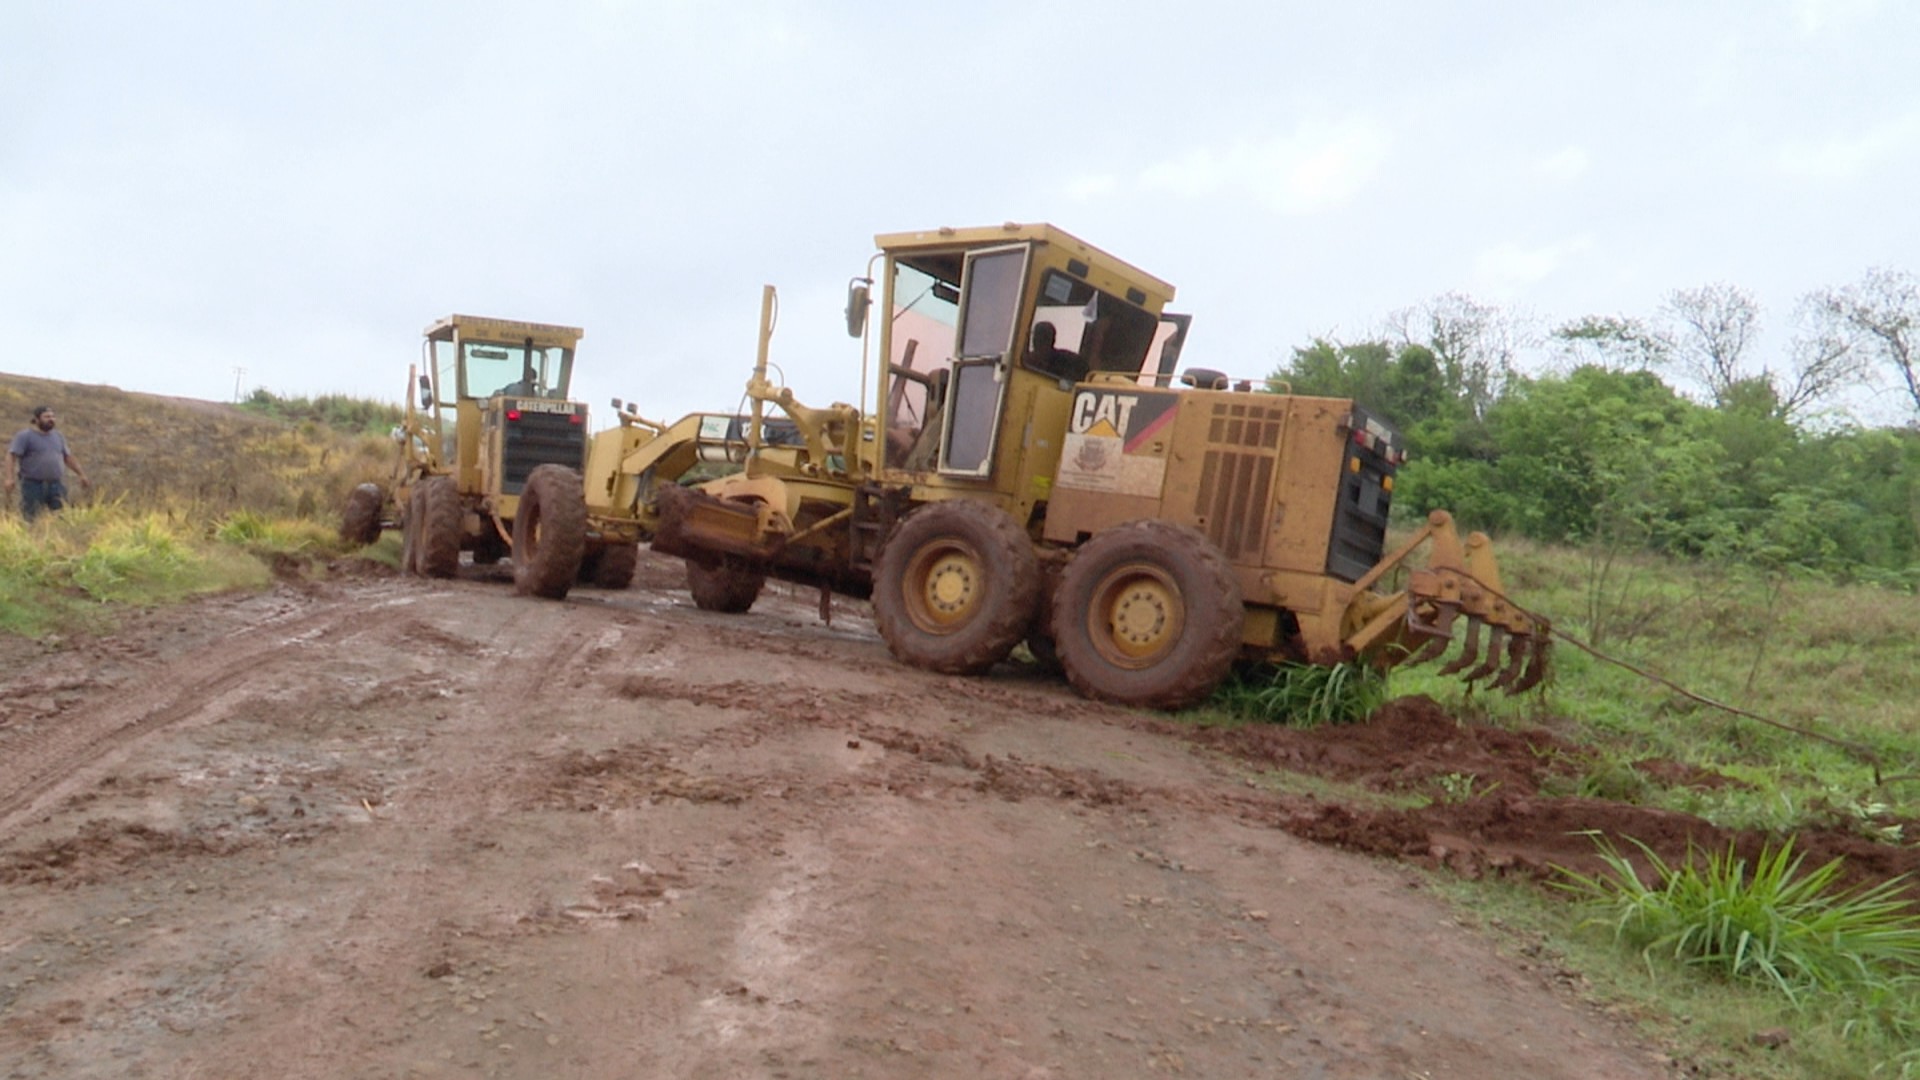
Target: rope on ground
x=1866, y=753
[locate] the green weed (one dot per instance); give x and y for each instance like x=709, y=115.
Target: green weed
x=1851, y=958
x=1305, y=695
x=1769, y=923
x=1462, y=787
x=58, y=572
x=262, y=534
x=1707, y=1024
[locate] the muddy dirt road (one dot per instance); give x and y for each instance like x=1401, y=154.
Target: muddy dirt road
x=385, y=828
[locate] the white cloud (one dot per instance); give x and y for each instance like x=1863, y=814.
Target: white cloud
x=1318, y=167
x=1569, y=164
x=1851, y=156
x=1505, y=271
x=1814, y=16
x=1092, y=186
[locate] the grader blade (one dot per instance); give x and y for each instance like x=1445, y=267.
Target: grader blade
x=1518, y=648
x=1439, y=633
x=1470, y=653
x=1537, y=662
x=1495, y=642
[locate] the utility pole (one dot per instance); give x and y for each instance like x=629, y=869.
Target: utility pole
x=239, y=373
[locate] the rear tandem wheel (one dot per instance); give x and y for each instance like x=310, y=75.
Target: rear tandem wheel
x=1147, y=614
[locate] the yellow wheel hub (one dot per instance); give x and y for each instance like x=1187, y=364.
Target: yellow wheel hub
x=1138, y=615
x=949, y=583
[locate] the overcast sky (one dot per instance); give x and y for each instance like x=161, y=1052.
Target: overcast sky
x=298, y=189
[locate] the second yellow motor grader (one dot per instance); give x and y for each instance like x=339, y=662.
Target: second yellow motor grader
x=490, y=449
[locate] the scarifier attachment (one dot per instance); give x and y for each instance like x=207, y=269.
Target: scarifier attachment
x=1461, y=579
x=1467, y=655
x=1441, y=631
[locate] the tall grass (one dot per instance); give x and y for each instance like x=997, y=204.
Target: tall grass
x=68, y=570
x=265, y=535
x=1849, y=958
x=1304, y=695
x=340, y=412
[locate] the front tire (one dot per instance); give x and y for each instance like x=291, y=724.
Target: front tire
x=549, y=532
x=410, y=518
x=437, y=544
x=729, y=586
x=1148, y=614
x=360, y=522
x=955, y=587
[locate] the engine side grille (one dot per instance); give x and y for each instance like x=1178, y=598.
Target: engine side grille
x=540, y=438
x=1236, y=477
x=1366, y=497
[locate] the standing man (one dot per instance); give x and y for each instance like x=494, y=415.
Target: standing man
x=38, y=458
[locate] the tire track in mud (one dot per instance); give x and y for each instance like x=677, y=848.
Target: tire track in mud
x=773, y=710
x=207, y=681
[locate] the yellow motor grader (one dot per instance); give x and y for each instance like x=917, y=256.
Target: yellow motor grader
x=1031, y=469
x=490, y=453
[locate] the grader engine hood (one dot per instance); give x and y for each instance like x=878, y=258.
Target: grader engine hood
x=1295, y=492
x=532, y=432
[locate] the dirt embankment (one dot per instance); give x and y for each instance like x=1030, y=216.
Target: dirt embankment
x=382, y=827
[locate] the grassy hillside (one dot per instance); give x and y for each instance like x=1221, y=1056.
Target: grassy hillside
x=1823, y=673
x=189, y=497
x=199, y=460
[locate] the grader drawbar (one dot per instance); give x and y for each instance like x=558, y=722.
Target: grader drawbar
x=1029, y=465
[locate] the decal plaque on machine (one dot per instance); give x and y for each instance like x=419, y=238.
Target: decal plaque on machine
x=1116, y=441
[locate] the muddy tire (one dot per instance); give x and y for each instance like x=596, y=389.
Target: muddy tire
x=436, y=546
x=549, y=532
x=729, y=586
x=410, y=516
x=617, y=566
x=1147, y=614
x=955, y=587
x=360, y=521
x=1046, y=657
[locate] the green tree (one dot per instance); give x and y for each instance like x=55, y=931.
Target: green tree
x=1615, y=343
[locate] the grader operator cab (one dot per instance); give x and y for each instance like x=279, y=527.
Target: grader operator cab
x=1030, y=469
x=490, y=452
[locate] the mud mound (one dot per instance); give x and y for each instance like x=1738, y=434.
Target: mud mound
x=1487, y=812
x=1534, y=837
x=101, y=849
x=1410, y=744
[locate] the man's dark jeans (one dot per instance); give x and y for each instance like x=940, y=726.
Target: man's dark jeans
x=38, y=495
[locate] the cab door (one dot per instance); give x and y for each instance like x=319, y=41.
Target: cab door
x=990, y=289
